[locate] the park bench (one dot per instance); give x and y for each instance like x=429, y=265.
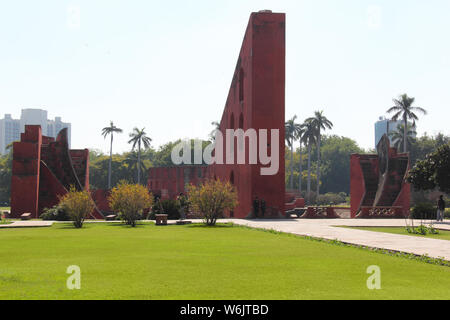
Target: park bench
x=161, y=219
x=25, y=216
x=111, y=217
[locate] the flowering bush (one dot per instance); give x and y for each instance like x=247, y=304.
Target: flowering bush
x=212, y=198
x=130, y=201
x=78, y=205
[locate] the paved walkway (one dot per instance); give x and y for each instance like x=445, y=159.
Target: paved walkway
x=25, y=224
x=328, y=229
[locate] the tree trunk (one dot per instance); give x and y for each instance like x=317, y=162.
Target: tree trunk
x=405, y=132
x=318, y=165
x=110, y=161
x=291, y=180
x=301, y=170
x=139, y=164
x=308, y=186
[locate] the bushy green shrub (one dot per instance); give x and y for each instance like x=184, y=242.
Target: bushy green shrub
x=331, y=198
x=422, y=230
x=424, y=210
x=447, y=213
x=78, y=205
x=130, y=201
x=169, y=207
x=57, y=213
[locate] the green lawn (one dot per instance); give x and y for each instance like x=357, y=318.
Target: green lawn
x=196, y=262
x=443, y=234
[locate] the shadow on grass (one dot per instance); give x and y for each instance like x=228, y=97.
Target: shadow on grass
x=88, y=225
x=218, y=225
x=124, y=225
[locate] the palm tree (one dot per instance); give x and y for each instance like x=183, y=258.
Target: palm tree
x=403, y=108
x=132, y=160
x=321, y=123
x=139, y=138
x=105, y=132
x=398, y=139
x=298, y=136
x=309, y=138
x=212, y=134
x=291, y=130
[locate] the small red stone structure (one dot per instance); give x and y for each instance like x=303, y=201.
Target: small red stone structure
x=43, y=169
x=378, y=187
x=161, y=219
x=320, y=212
x=293, y=201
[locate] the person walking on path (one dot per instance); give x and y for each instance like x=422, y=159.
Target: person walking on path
x=440, y=208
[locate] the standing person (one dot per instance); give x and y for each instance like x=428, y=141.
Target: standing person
x=256, y=207
x=263, y=208
x=182, y=201
x=440, y=208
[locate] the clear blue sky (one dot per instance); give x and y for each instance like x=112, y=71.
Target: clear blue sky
x=167, y=65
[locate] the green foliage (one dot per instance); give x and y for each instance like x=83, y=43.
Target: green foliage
x=398, y=139
x=433, y=172
x=335, y=164
x=171, y=208
x=56, y=213
x=423, y=210
x=123, y=168
x=78, y=205
x=403, y=109
x=335, y=167
x=424, y=145
x=5, y=179
x=422, y=230
x=130, y=201
x=212, y=199
x=331, y=198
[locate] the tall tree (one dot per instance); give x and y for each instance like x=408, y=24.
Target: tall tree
x=139, y=138
x=132, y=160
x=291, y=131
x=212, y=134
x=298, y=137
x=433, y=172
x=321, y=123
x=309, y=138
x=105, y=132
x=403, y=108
x=398, y=139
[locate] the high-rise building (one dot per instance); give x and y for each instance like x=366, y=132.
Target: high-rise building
x=10, y=129
x=385, y=126
x=9, y=132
